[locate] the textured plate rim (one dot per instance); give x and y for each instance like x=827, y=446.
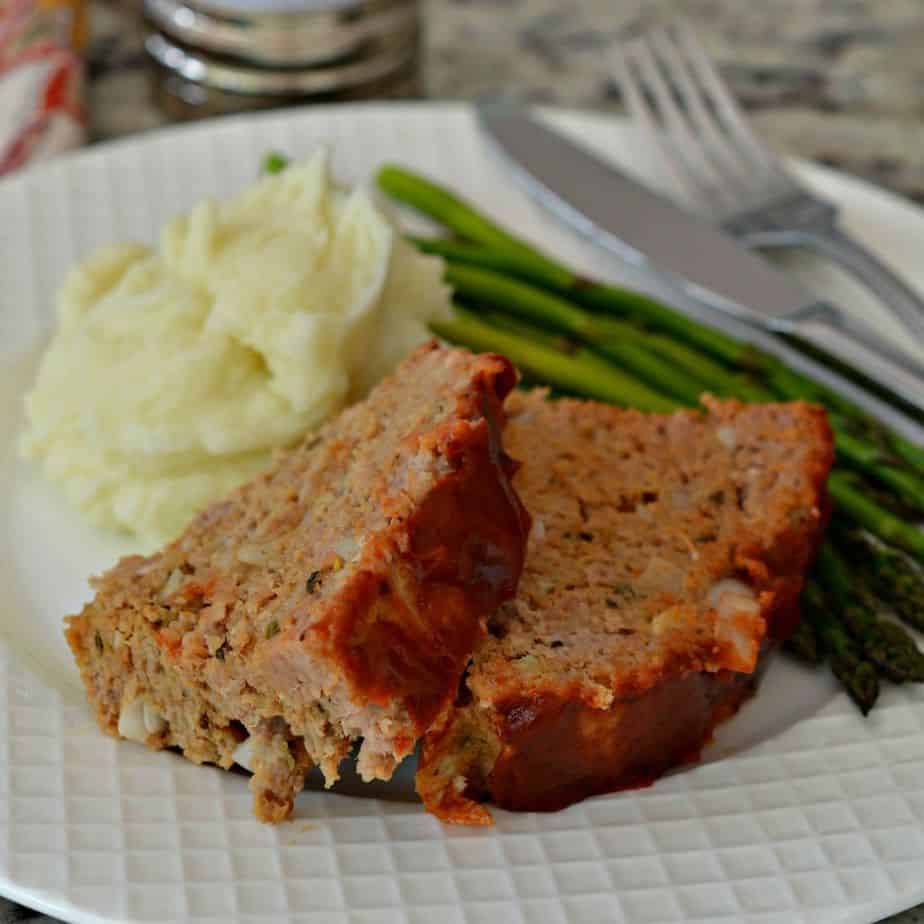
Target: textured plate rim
x=885, y=199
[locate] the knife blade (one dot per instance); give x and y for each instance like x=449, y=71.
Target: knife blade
x=619, y=213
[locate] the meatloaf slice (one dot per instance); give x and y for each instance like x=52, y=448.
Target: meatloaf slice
x=666, y=552
x=337, y=596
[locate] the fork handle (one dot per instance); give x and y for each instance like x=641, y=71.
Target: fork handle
x=839, y=246
x=857, y=343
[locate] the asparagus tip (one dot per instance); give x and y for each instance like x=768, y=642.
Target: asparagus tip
x=275, y=162
x=859, y=678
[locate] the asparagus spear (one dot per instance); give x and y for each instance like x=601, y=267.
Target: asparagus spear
x=851, y=500
x=896, y=578
x=913, y=455
x=534, y=304
x=508, y=262
x=908, y=488
x=857, y=675
x=884, y=498
x=886, y=645
x=713, y=376
x=448, y=209
x=581, y=371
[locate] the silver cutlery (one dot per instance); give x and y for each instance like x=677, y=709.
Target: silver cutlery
x=672, y=88
x=622, y=215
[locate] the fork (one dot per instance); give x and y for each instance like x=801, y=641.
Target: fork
x=672, y=88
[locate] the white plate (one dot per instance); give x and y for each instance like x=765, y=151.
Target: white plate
x=801, y=811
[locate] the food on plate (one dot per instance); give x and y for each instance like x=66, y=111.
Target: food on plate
x=176, y=370
x=588, y=338
x=667, y=553
x=335, y=597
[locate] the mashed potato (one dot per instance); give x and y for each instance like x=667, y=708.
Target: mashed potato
x=174, y=372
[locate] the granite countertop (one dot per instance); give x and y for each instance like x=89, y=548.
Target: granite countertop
x=839, y=81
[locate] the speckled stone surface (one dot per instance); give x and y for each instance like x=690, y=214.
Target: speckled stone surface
x=841, y=81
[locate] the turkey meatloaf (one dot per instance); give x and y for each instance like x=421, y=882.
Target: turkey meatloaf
x=666, y=552
x=337, y=596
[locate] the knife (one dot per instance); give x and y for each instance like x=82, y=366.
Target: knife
x=623, y=216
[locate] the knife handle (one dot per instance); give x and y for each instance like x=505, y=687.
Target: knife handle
x=858, y=345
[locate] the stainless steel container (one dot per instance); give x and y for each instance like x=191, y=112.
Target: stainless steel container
x=217, y=56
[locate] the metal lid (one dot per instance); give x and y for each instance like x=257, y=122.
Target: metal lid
x=199, y=68
x=284, y=39
x=260, y=7
x=183, y=100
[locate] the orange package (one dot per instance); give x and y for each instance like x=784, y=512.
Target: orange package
x=41, y=79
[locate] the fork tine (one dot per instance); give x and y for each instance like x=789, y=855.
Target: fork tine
x=651, y=74
x=725, y=105
x=730, y=165
x=634, y=99
x=685, y=156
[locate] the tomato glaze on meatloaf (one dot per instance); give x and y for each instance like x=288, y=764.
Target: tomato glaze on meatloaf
x=336, y=597
x=667, y=552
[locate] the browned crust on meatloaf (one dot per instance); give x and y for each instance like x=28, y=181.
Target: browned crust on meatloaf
x=546, y=752
x=612, y=664
x=337, y=596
